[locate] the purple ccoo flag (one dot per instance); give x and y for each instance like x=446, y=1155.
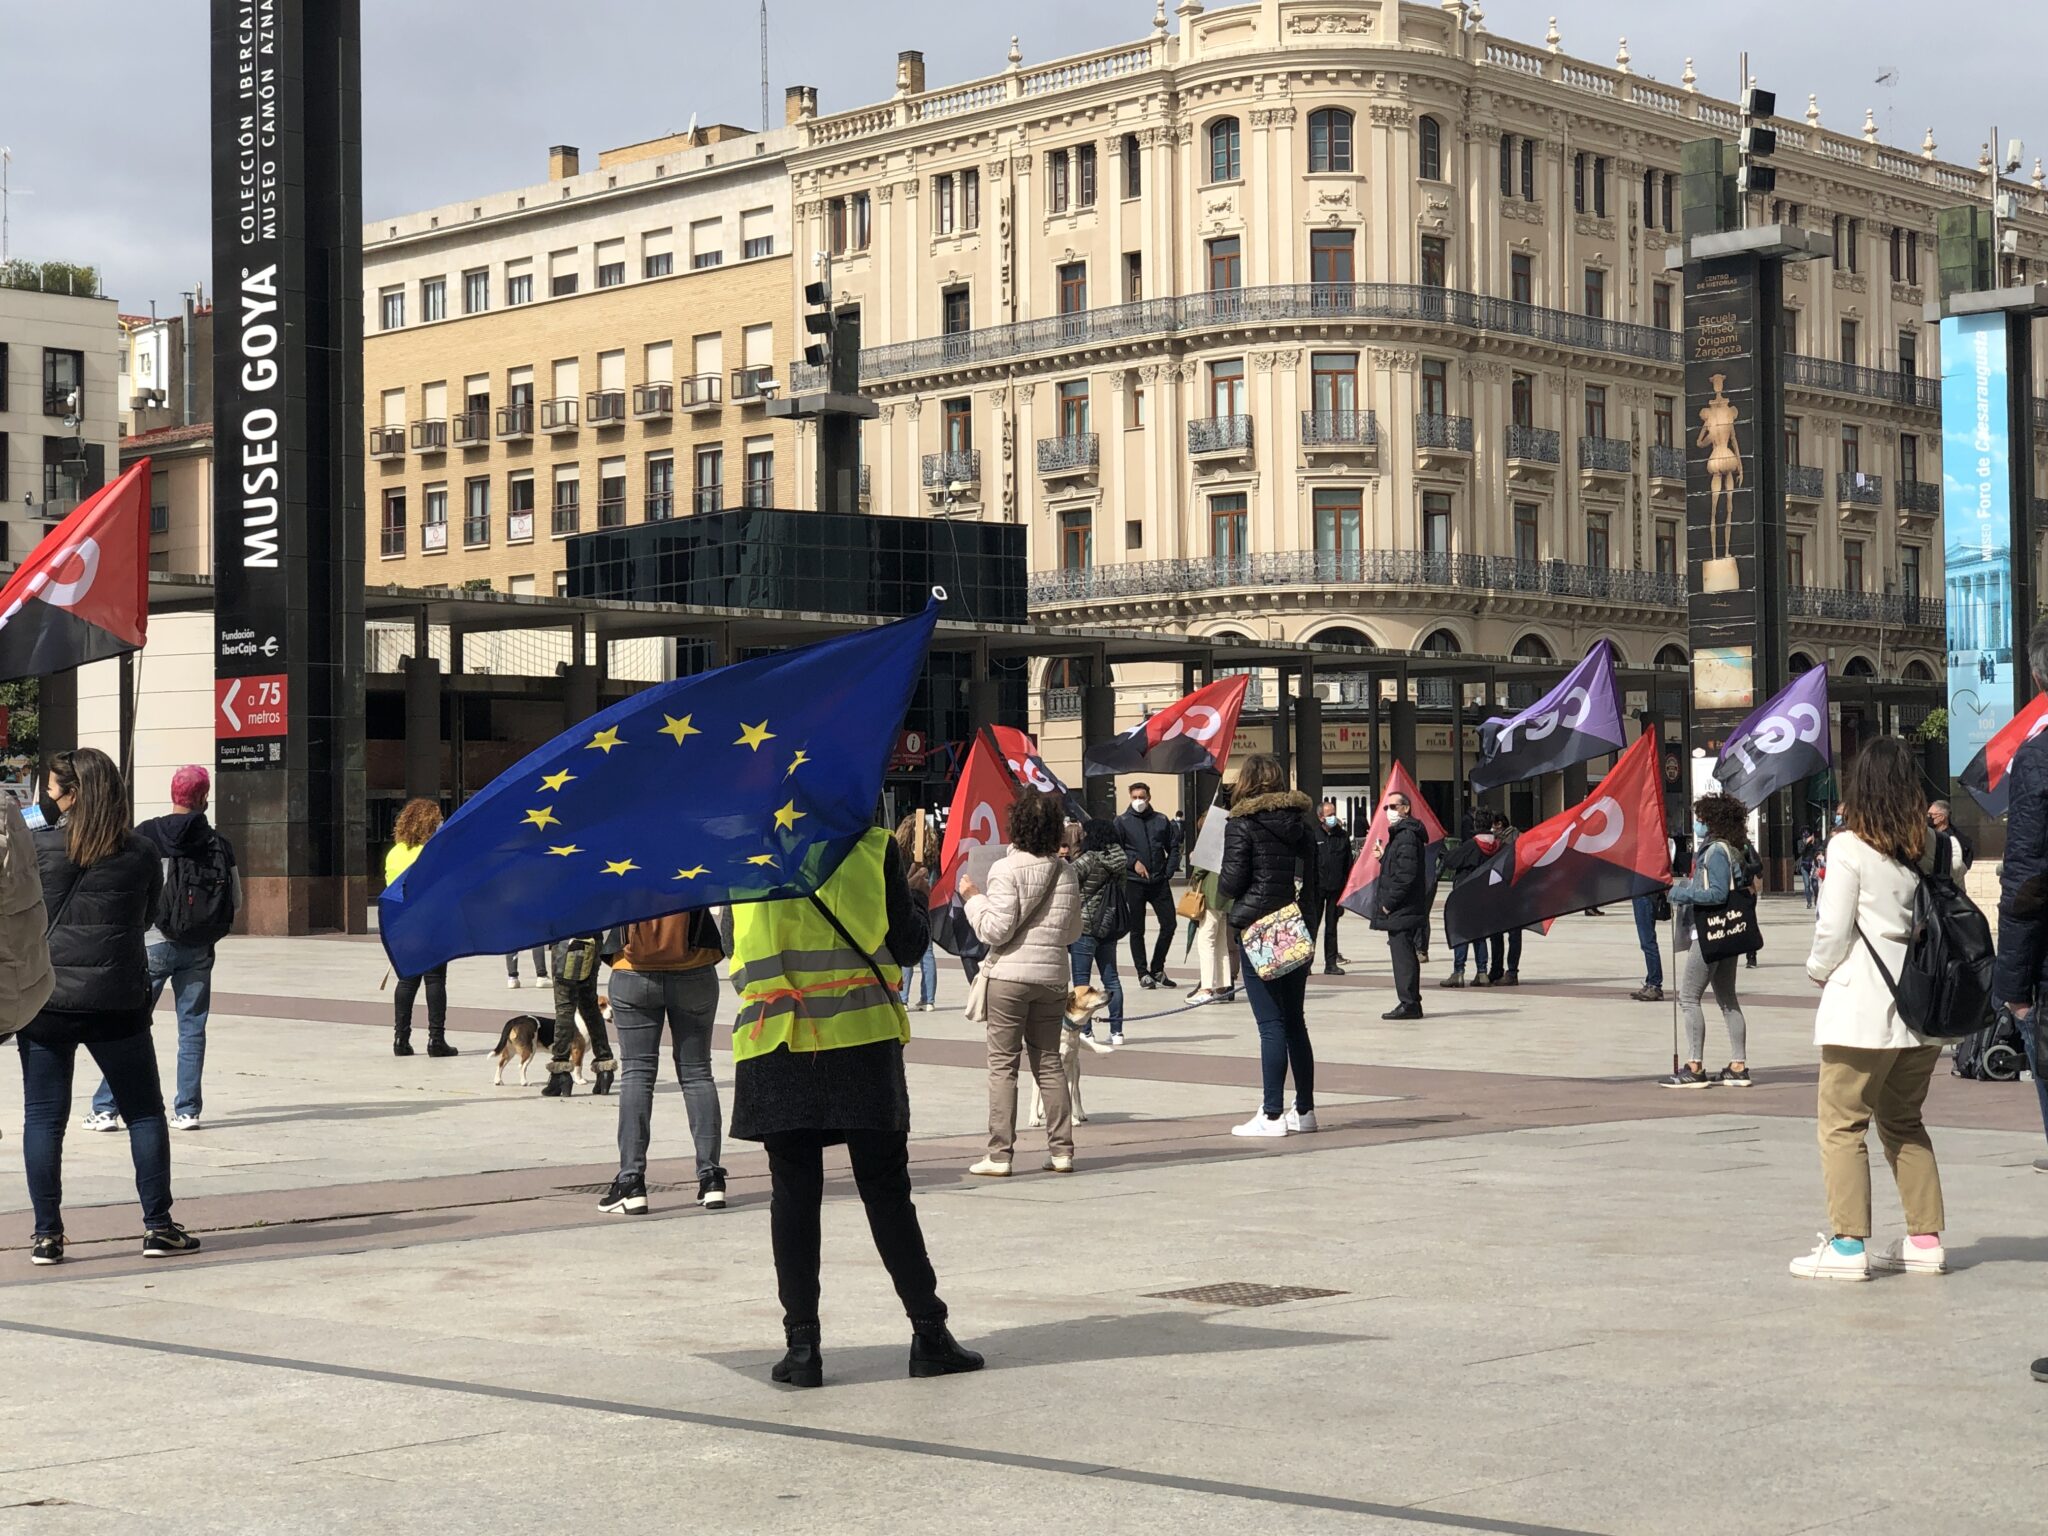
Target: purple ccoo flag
x=1781, y=744
x=1578, y=719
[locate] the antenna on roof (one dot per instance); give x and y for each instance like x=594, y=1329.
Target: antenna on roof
x=764, y=66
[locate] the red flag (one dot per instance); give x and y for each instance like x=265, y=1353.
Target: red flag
x=1608, y=847
x=83, y=593
x=979, y=817
x=1362, y=888
x=1020, y=754
x=1192, y=735
x=1985, y=777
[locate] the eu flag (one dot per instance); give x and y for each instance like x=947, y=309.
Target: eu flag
x=744, y=784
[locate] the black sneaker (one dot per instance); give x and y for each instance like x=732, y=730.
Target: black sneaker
x=711, y=1190
x=1333, y=970
x=1733, y=1077
x=627, y=1196
x=49, y=1249
x=1688, y=1076
x=163, y=1242
x=2040, y=1369
x=1146, y=982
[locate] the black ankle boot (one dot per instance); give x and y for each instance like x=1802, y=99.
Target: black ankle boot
x=935, y=1352
x=607, y=1071
x=437, y=1044
x=401, y=1040
x=803, y=1365
x=560, y=1086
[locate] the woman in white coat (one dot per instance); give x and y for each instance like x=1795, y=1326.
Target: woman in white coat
x=1871, y=1065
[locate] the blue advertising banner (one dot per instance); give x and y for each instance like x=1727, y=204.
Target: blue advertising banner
x=1976, y=520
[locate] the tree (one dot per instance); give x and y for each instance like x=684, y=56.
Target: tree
x=20, y=699
x=1934, y=729
x=51, y=277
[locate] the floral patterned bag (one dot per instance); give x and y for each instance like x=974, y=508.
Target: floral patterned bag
x=1278, y=943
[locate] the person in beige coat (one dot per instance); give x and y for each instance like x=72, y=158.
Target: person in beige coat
x=1871, y=1065
x=26, y=979
x=1027, y=917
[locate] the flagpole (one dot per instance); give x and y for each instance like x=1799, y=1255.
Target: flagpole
x=127, y=716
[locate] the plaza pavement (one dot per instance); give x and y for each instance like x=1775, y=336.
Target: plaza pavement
x=1554, y=1295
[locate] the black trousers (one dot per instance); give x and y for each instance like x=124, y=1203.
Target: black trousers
x=1407, y=968
x=571, y=998
x=1331, y=912
x=437, y=998
x=1158, y=895
x=881, y=1171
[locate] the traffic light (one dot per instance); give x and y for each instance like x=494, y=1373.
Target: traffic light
x=1758, y=143
x=818, y=323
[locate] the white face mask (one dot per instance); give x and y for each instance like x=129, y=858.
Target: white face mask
x=1140, y=806
x=1330, y=821
x=1393, y=816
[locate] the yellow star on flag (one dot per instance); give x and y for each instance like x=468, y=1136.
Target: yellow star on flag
x=553, y=782
x=767, y=859
x=620, y=867
x=789, y=816
x=564, y=851
x=690, y=874
x=605, y=740
x=797, y=762
x=679, y=728
x=753, y=735
x=544, y=817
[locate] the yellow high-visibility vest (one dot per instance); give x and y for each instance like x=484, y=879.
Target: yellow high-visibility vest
x=800, y=985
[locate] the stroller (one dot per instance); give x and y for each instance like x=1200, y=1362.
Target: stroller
x=1997, y=1054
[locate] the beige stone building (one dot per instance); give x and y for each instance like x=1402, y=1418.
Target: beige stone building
x=581, y=354
x=59, y=421
x=1347, y=318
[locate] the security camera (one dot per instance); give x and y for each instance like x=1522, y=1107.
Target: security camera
x=768, y=389
x=2014, y=150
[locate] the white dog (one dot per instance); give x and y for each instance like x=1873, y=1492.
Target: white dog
x=1083, y=1003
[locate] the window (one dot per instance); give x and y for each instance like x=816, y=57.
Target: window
x=1059, y=188
x=1077, y=541
x=476, y=291
x=1596, y=293
x=567, y=515
x=757, y=233
x=611, y=274
x=1909, y=354
x=563, y=275
x=1225, y=163
x=476, y=512
x=661, y=487
x=1660, y=306
x=392, y=528
x=1852, y=565
x=863, y=221
x=1667, y=547
x=1330, y=256
x=1596, y=410
x=434, y=519
x=1909, y=570
x=1073, y=400
x=391, y=308
x=1649, y=199
x=956, y=311
x=1333, y=381
x=1071, y=283
x=1329, y=140
x=433, y=299
x=1855, y=239
x=1134, y=277
x=64, y=376
x=1436, y=387
x=1134, y=166
x=1429, y=134
x=1340, y=522
x=1527, y=545
x=1792, y=440
x=707, y=244
x=611, y=493
x=1898, y=252
x=1600, y=186
x=1852, y=449
x=1435, y=262
x=835, y=220
x=1579, y=182
x=519, y=508
x=1841, y=228
x=708, y=479
x=1529, y=170
x=1849, y=330
x=1226, y=264
x=518, y=288
x=1436, y=523
x=945, y=206
x=760, y=472
x=1663, y=419
x=657, y=253
x=956, y=429
x=1226, y=387
x=1507, y=165
x=1521, y=279
x=1084, y=176
x=1795, y=560
x=1522, y=400
x=1670, y=181
x=1596, y=540
x=1913, y=256
x=1227, y=526
x=1909, y=457
x=1788, y=330
x=970, y=199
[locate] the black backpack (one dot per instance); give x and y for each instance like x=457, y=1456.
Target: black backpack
x=1943, y=991
x=198, y=903
x=1114, y=920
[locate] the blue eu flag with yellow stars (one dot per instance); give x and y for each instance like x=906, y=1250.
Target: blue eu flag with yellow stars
x=744, y=784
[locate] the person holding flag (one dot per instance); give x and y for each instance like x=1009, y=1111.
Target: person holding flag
x=1462, y=865
x=1720, y=831
x=1403, y=903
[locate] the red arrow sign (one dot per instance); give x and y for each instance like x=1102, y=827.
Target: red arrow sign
x=250, y=706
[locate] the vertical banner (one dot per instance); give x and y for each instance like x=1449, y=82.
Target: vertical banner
x=1976, y=519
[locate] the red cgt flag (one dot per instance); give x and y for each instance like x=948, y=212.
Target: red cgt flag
x=83, y=593
x=979, y=817
x=1608, y=847
x=1192, y=735
x=1985, y=777
x=1362, y=888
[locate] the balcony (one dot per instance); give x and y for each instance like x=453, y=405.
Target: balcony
x=1803, y=482
x=515, y=423
x=1332, y=432
x=472, y=429
x=433, y=538
x=559, y=415
x=1919, y=498
x=702, y=393
x=1888, y=608
x=760, y=491
x=1075, y=453
x=1857, y=492
x=1904, y=389
x=942, y=471
x=653, y=401
x=430, y=436
x=1667, y=469
x=1442, y=442
x=661, y=506
x=391, y=542
x=565, y=519
x=708, y=498
x=387, y=442
x=1532, y=453
x=1218, y=436
x=1063, y=703
x=605, y=407
x=476, y=532
x=1603, y=460
x=611, y=511
x=747, y=382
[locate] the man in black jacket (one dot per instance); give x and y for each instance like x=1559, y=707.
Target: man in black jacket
x=2023, y=888
x=1333, y=869
x=1152, y=847
x=1403, y=896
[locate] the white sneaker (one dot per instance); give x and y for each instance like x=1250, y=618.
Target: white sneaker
x=1056, y=1163
x=99, y=1122
x=1259, y=1125
x=185, y=1123
x=1829, y=1263
x=539, y=981
x=512, y=982
x=1196, y=999
x=1899, y=1257
x=990, y=1168
x=1116, y=1038
x=1297, y=1121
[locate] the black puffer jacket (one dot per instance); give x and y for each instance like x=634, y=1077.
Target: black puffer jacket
x=1267, y=840
x=98, y=917
x=1403, y=893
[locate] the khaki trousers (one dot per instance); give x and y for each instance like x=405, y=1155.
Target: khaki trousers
x=1024, y=1020
x=1212, y=951
x=1889, y=1086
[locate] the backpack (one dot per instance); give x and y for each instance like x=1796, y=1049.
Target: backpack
x=576, y=960
x=1994, y=1055
x=198, y=903
x=1114, y=920
x=1943, y=991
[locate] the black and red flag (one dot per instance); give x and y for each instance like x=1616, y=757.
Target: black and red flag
x=1608, y=847
x=1985, y=777
x=1191, y=735
x=83, y=593
x=1361, y=891
x=979, y=819
x=1021, y=753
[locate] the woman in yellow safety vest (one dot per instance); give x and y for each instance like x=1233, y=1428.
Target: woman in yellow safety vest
x=418, y=821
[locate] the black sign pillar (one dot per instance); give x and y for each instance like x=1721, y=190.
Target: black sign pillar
x=288, y=517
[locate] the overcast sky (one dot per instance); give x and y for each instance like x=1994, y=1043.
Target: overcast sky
x=104, y=101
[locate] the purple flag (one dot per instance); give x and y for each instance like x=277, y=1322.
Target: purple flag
x=1781, y=744
x=1578, y=719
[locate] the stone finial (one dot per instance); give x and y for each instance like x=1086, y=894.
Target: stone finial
x=1016, y=53
x=1159, y=19
x=1984, y=159
x=1551, y=39
x=1870, y=125
x=1927, y=146
x=2040, y=181
x=1812, y=110
x=1478, y=17
x=1690, y=80
x=1621, y=58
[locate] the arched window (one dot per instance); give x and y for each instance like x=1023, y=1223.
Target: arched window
x=1342, y=634
x=1225, y=153
x=1801, y=663
x=1919, y=672
x=1671, y=656
x=1533, y=648
x=1440, y=642
x=1329, y=139
x=1859, y=666
x=1430, y=135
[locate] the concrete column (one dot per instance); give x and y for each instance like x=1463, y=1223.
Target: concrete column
x=1283, y=727
x=1098, y=724
x=422, y=727
x=1574, y=782
x=579, y=694
x=1401, y=728
x=1308, y=744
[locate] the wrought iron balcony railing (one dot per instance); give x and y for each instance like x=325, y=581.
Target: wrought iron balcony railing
x=1607, y=455
x=1452, y=432
x=559, y=415
x=1666, y=463
x=1374, y=568
x=651, y=400
x=1535, y=445
x=515, y=421
x=1220, y=434
x=387, y=442
x=1069, y=454
x=1919, y=496
x=702, y=392
x=604, y=407
x=1859, y=489
x=1803, y=480
x=1875, y=607
x=430, y=436
x=943, y=469
x=471, y=428
x=1339, y=429
x=1870, y=383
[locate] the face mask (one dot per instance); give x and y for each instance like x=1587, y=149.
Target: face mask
x=1699, y=831
x=1394, y=816
x=1330, y=822
x=1140, y=805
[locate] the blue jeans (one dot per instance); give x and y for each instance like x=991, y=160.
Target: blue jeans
x=130, y=1066
x=1651, y=937
x=927, y=977
x=1088, y=951
x=189, y=970
x=2030, y=1028
x=1489, y=953
x=1283, y=1036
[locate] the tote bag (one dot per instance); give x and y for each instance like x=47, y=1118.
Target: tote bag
x=1278, y=943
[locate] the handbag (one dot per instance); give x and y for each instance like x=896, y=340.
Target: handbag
x=1729, y=930
x=1191, y=906
x=1278, y=943
x=976, y=1011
